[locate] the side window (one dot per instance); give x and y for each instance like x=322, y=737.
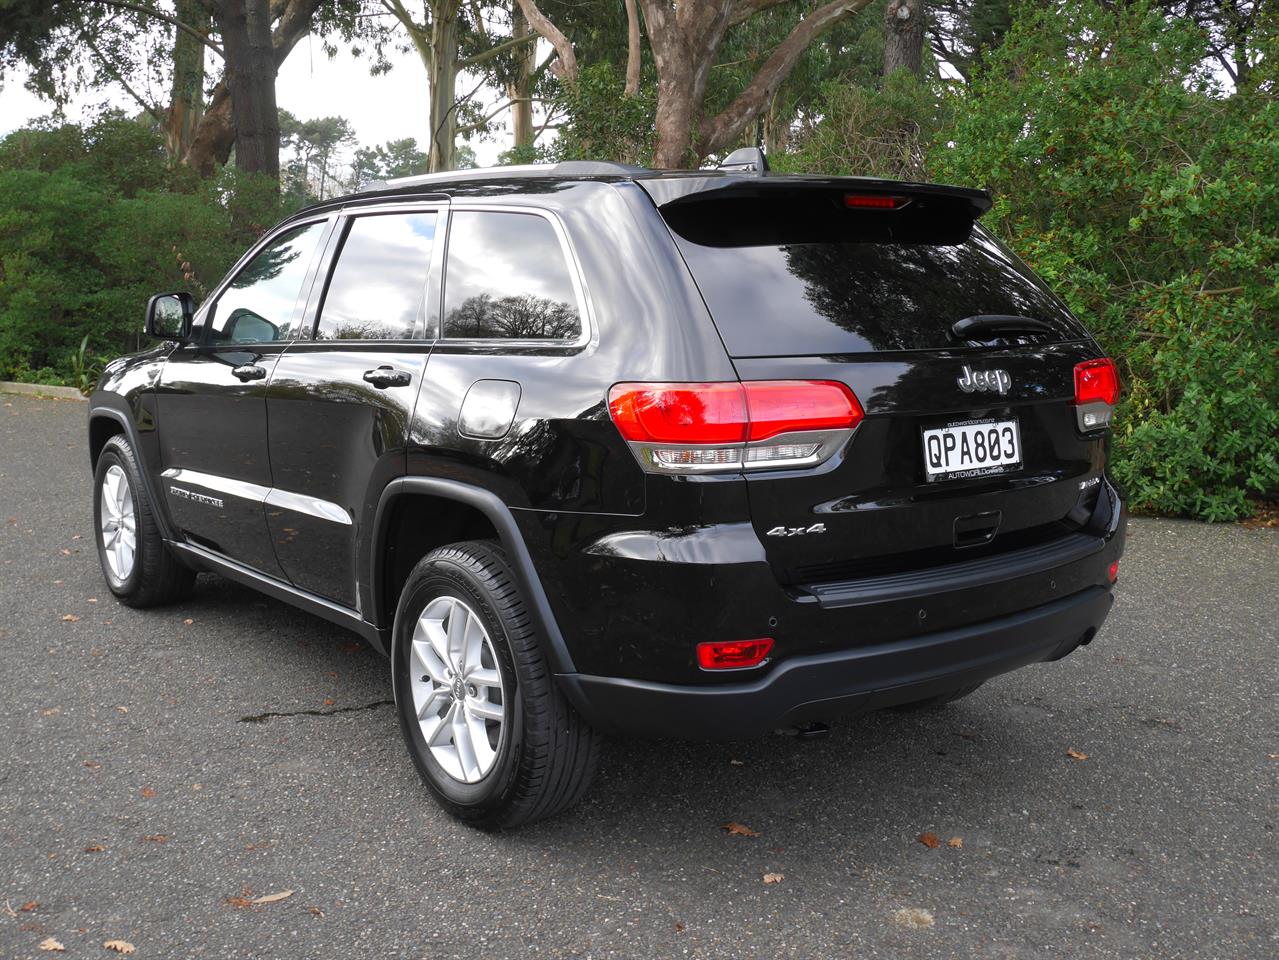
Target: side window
x=257, y=306
x=506, y=279
x=378, y=287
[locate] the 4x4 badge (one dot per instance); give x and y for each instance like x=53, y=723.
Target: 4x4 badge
x=796, y=531
x=989, y=381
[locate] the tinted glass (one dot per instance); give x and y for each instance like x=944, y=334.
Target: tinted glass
x=506, y=278
x=804, y=299
x=258, y=305
x=378, y=286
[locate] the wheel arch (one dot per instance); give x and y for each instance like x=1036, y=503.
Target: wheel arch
x=107, y=422
x=499, y=523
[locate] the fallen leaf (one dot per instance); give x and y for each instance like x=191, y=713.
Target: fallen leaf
x=51, y=712
x=187, y=622
x=119, y=946
x=148, y=792
x=90, y=599
x=735, y=829
x=913, y=917
x=955, y=843
x=679, y=927
x=1273, y=756
x=77, y=537
x=272, y=897
x=65, y=553
x=239, y=902
x=69, y=618
x=315, y=912
x=49, y=945
x=123, y=709
x=92, y=764
x=94, y=848
x=773, y=878
x=29, y=906
x=737, y=763
x=929, y=840
x=328, y=702
x=1076, y=754
x=156, y=838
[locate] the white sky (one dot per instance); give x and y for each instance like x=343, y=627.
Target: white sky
x=387, y=107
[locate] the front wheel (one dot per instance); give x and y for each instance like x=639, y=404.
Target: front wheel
x=489, y=731
x=138, y=567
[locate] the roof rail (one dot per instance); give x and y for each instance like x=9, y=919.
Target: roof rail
x=566, y=168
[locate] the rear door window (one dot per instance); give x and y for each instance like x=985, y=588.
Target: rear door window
x=806, y=299
x=378, y=287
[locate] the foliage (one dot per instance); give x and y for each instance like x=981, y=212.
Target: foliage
x=1150, y=201
x=92, y=222
x=603, y=124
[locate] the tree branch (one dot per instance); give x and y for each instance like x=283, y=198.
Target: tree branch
x=492, y=52
x=146, y=105
x=539, y=22
x=633, y=53
x=743, y=10
x=716, y=133
x=165, y=18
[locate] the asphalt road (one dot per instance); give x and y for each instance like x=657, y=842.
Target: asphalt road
x=158, y=765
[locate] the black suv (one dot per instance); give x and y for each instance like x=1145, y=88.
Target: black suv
x=590, y=448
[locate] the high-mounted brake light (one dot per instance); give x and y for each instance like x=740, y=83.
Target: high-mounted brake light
x=725, y=427
x=874, y=201
x=733, y=654
x=1096, y=393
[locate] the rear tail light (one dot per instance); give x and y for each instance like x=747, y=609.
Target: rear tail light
x=733, y=654
x=725, y=427
x=1112, y=572
x=1096, y=393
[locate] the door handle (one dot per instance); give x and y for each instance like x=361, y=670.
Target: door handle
x=249, y=371
x=387, y=376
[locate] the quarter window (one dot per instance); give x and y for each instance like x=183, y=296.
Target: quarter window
x=257, y=306
x=506, y=279
x=379, y=284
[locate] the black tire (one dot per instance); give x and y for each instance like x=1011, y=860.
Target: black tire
x=546, y=754
x=933, y=703
x=156, y=576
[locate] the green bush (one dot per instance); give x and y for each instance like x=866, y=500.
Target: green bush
x=1150, y=201
x=92, y=222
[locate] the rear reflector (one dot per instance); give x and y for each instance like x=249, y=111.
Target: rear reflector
x=874, y=201
x=733, y=654
x=759, y=424
x=1113, y=572
x=1096, y=393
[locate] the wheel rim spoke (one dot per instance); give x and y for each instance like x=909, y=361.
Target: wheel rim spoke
x=453, y=682
x=117, y=526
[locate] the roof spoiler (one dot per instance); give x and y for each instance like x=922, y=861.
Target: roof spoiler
x=719, y=210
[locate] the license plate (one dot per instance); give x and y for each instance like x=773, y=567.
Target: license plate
x=973, y=448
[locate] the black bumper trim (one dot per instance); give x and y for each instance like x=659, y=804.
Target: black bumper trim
x=804, y=689
x=957, y=576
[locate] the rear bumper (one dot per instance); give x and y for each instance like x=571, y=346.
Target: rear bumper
x=819, y=687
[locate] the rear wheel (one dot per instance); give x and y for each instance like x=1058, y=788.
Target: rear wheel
x=932, y=703
x=138, y=567
x=488, y=729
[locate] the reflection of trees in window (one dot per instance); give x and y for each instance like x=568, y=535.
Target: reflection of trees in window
x=899, y=296
x=267, y=265
x=517, y=317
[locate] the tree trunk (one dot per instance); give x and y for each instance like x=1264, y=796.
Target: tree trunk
x=634, y=62
x=442, y=154
x=521, y=91
x=214, y=136
x=186, y=102
x=903, y=36
x=245, y=26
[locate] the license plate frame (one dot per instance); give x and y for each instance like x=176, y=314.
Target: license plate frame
x=959, y=460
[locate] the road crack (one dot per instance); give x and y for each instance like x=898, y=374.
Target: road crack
x=264, y=717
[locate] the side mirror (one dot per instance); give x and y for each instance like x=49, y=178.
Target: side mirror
x=169, y=316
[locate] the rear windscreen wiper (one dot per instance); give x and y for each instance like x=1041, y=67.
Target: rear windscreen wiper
x=982, y=325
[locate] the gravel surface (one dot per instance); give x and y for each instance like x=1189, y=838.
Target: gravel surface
x=165, y=767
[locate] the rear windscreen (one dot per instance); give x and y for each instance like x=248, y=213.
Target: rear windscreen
x=804, y=299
